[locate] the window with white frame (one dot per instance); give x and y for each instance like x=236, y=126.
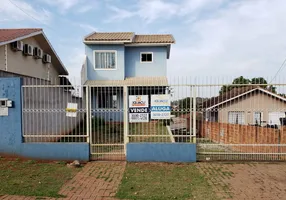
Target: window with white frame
x=146, y=57
x=257, y=118
x=236, y=117
x=104, y=59
x=107, y=100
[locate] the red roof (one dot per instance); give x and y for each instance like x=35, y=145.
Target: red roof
x=12, y=34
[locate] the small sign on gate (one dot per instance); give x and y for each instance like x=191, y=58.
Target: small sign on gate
x=160, y=106
x=138, y=108
x=71, y=110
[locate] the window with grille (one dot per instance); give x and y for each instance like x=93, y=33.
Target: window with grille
x=257, y=118
x=104, y=60
x=236, y=117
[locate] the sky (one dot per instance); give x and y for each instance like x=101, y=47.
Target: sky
x=214, y=38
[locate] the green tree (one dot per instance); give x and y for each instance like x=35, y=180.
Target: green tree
x=241, y=81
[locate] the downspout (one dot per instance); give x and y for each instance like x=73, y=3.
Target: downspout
x=6, y=58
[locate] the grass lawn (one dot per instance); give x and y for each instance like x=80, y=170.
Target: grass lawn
x=30, y=178
x=164, y=181
x=148, y=129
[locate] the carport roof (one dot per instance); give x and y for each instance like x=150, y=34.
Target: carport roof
x=131, y=81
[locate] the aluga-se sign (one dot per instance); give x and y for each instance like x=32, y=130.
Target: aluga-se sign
x=160, y=106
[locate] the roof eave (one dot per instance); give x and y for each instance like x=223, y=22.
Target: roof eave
x=245, y=93
x=106, y=42
x=58, y=58
x=21, y=38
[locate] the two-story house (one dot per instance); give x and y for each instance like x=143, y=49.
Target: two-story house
x=27, y=53
x=117, y=59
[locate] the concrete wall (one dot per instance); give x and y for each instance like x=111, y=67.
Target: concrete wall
x=133, y=66
x=117, y=74
x=252, y=103
x=11, y=140
x=161, y=152
x=27, y=65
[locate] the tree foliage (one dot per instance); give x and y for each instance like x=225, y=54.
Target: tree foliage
x=242, y=82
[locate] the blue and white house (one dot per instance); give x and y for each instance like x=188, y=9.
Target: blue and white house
x=119, y=60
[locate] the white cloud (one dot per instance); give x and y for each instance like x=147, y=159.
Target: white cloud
x=87, y=27
x=152, y=10
x=81, y=6
x=243, y=38
x=84, y=9
x=119, y=14
x=23, y=11
x=62, y=4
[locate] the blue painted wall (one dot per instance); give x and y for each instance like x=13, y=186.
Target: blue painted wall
x=161, y=152
x=11, y=141
x=11, y=126
x=133, y=67
x=117, y=74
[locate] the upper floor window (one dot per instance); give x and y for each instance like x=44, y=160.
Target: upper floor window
x=146, y=57
x=104, y=60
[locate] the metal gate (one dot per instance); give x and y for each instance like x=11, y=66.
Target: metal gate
x=106, y=123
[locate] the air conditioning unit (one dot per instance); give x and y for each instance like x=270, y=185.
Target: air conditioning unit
x=28, y=50
x=47, y=58
x=17, y=46
x=38, y=53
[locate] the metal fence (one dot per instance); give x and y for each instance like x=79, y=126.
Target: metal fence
x=239, y=121
x=46, y=115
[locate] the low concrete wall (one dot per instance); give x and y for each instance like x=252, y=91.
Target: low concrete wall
x=161, y=152
x=11, y=141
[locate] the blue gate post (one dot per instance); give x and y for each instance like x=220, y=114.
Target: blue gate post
x=11, y=125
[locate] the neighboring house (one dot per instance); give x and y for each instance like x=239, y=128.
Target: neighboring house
x=246, y=105
x=28, y=53
x=118, y=59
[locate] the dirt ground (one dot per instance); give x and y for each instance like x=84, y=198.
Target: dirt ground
x=246, y=181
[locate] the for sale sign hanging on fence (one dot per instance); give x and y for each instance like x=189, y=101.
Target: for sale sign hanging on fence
x=160, y=106
x=138, y=108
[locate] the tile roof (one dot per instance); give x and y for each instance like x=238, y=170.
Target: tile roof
x=131, y=81
x=130, y=37
x=12, y=34
x=236, y=93
x=162, y=38
x=227, y=95
x=115, y=36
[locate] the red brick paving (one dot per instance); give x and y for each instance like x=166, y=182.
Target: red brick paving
x=96, y=181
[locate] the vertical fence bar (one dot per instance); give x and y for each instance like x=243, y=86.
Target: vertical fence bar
x=87, y=114
x=190, y=120
x=125, y=108
x=194, y=113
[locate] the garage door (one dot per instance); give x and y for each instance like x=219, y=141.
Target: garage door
x=274, y=117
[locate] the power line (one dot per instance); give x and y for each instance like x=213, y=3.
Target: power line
x=281, y=67
x=30, y=15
